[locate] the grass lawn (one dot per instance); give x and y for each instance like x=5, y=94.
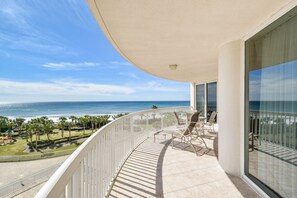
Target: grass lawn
x=72, y=146
x=15, y=148
x=18, y=147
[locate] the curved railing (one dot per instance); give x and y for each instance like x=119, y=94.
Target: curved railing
x=91, y=169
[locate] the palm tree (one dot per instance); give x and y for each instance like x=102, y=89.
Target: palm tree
x=36, y=125
x=98, y=121
x=105, y=119
x=48, y=127
x=20, y=122
x=69, y=125
x=92, y=119
x=73, y=119
x=62, y=124
x=119, y=115
x=3, y=123
x=29, y=133
x=11, y=124
x=83, y=121
x=154, y=107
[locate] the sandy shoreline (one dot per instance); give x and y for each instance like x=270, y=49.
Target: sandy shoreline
x=55, y=118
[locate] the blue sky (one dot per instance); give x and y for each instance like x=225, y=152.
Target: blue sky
x=274, y=83
x=53, y=50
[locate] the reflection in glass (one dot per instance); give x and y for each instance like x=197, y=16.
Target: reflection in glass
x=271, y=60
x=211, y=98
x=200, y=98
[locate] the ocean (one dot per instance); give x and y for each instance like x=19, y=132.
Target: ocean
x=57, y=109
x=274, y=106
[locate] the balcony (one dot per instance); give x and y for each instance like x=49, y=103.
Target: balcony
x=124, y=160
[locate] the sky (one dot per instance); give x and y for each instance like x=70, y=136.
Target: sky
x=274, y=83
x=53, y=50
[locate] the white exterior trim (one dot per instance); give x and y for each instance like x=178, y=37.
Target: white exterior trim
x=256, y=188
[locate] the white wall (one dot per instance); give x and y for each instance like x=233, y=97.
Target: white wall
x=231, y=107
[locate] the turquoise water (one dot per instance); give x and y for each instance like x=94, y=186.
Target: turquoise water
x=54, y=109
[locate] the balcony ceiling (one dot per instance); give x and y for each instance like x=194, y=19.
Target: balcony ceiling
x=152, y=34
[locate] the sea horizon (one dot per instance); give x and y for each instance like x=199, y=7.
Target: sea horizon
x=80, y=108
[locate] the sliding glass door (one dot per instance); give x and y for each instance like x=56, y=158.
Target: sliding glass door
x=206, y=98
x=211, y=98
x=200, y=99
x=271, y=114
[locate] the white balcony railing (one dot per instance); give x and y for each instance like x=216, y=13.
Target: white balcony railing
x=274, y=127
x=90, y=171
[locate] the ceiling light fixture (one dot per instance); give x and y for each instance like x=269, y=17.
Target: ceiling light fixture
x=173, y=66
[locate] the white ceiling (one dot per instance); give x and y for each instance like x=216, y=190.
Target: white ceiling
x=152, y=34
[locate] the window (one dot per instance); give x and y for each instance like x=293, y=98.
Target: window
x=211, y=98
x=271, y=114
x=200, y=99
x=206, y=98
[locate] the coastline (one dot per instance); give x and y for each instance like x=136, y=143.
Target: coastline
x=54, y=110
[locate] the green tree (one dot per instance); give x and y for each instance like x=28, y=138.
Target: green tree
x=47, y=127
x=20, y=122
x=36, y=125
x=92, y=119
x=29, y=132
x=69, y=125
x=119, y=115
x=105, y=119
x=98, y=121
x=3, y=123
x=83, y=121
x=62, y=124
x=154, y=107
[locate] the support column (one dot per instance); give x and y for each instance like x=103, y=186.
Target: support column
x=193, y=95
x=231, y=107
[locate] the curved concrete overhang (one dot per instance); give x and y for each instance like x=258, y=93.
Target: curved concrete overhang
x=152, y=34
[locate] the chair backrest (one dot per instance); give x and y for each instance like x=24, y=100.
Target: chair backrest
x=193, y=120
x=212, y=117
x=177, y=118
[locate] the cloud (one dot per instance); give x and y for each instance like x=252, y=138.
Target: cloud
x=19, y=30
x=14, y=13
x=70, y=66
x=159, y=87
x=60, y=88
x=117, y=64
x=84, y=65
x=275, y=88
x=129, y=74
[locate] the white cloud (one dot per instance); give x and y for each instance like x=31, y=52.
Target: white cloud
x=129, y=74
x=119, y=63
x=273, y=89
x=60, y=88
x=155, y=86
x=14, y=14
x=84, y=65
x=70, y=66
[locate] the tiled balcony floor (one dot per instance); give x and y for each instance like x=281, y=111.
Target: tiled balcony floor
x=157, y=170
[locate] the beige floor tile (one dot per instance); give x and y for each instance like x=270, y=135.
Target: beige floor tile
x=158, y=170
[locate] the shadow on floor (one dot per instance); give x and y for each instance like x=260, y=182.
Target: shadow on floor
x=141, y=175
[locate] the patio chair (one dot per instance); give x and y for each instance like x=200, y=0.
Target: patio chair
x=186, y=135
x=179, y=122
x=211, y=121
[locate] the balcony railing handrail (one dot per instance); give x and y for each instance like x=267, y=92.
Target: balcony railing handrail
x=57, y=183
x=273, y=112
